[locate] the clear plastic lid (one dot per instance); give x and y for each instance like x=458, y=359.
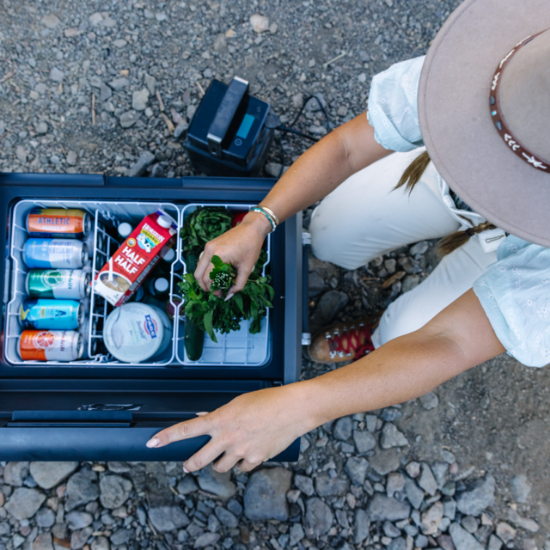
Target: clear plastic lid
x=162, y=285
x=125, y=230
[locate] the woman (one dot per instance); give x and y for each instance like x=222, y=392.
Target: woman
x=480, y=104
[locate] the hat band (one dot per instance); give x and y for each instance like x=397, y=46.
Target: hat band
x=504, y=131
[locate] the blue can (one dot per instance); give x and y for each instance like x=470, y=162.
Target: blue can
x=51, y=314
x=55, y=253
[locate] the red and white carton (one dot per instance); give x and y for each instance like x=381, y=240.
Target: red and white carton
x=123, y=274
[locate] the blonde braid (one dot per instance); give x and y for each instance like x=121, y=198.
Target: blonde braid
x=411, y=176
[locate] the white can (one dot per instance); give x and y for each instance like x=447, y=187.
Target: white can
x=136, y=332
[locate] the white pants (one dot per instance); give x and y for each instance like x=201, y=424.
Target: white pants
x=364, y=218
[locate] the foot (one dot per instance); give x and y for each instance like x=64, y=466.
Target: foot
x=343, y=341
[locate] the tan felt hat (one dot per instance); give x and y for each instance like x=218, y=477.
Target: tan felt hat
x=484, y=110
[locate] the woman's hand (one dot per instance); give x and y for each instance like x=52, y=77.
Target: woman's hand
x=239, y=247
x=249, y=430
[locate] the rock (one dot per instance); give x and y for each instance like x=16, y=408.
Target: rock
x=319, y=518
x=72, y=159
x=429, y=401
x=21, y=154
x=521, y=488
x=50, y=21
x=41, y=128
x=45, y=518
x=478, y=495
x=220, y=43
x=49, y=474
x=105, y=92
x=329, y=305
x=327, y=486
x=431, y=519
x=361, y=526
x=138, y=169
x=140, y=99
x=384, y=462
x=15, y=473
x=414, y=494
x=462, y=539
x=342, y=428
x=100, y=543
x=128, y=119
x=446, y=542
x=119, y=84
x=216, y=483
x=390, y=530
x=273, y=169
x=505, y=532
x=494, y=543
x=79, y=538
x=524, y=523
x=118, y=467
x=24, y=503
x=151, y=83
x=392, y=437
x=296, y=534
x=121, y=536
x=449, y=508
x=469, y=523
x=81, y=489
x=421, y=541
x=316, y=284
x=56, y=75
x=364, y=441
x=418, y=248
x=356, y=468
x=187, y=486
x=78, y=520
x=381, y=508
x=265, y=494
x=439, y=470
x=427, y=480
x=259, y=23
x=397, y=544
x=43, y=541
x=447, y=456
x=208, y=539
x=227, y=518
x=410, y=282
x=168, y=518
x=413, y=469
x=395, y=484
x=305, y=484
x=181, y=128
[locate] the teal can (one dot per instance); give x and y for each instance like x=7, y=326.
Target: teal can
x=51, y=314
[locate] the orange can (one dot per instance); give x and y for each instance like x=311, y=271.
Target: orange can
x=50, y=345
x=59, y=222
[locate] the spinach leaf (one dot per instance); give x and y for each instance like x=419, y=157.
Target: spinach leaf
x=203, y=225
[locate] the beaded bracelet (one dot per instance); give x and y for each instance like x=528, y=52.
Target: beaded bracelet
x=271, y=213
x=271, y=221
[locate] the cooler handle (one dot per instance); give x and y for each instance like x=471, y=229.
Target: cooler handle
x=306, y=245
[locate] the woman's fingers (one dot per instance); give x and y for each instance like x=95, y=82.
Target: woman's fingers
x=246, y=466
x=226, y=462
x=183, y=430
x=242, y=276
x=204, y=267
x=210, y=452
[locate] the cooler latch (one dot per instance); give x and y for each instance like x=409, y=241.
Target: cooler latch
x=306, y=243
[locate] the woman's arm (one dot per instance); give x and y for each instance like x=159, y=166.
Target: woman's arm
x=312, y=177
x=257, y=426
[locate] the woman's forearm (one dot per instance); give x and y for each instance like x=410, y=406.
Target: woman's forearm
x=324, y=167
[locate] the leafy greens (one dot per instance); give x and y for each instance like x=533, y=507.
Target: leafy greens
x=203, y=225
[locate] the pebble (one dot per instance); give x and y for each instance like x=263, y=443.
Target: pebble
x=413, y=469
x=429, y=401
x=168, y=518
x=119, y=84
x=419, y=248
x=43, y=541
x=392, y=437
x=265, y=494
x=140, y=166
x=50, y=474
x=218, y=484
x=470, y=524
x=431, y=519
x=479, y=494
x=395, y=484
x=414, y=494
x=462, y=539
x=421, y=541
x=427, y=480
x=524, y=523
x=296, y=534
x=227, y=518
x=121, y=536
x=397, y=544
x=319, y=518
x=57, y=75
x=521, y=488
x=81, y=489
x=259, y=23
x=45, y=518
x=114, y=490
x=356, y=468
x=180, y=129
x=187, y=485
x=494, y=543
x=79, y=538
x=449, y=508
x=128, y=119
x=24, y=503
x=390, y=530
x=78, y=520
x=384, y=462
x=305, y=484
x=329, y=305
x=364, y=441
x=140, y=99
x=343, y=428
x=505, y=532
x=327, y=486
x=381, y=508
x=361, y=526
x=15, y=473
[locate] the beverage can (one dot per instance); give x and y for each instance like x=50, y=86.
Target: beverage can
x=159, y=288
x=50, y=345
x=55, y=253
x=135, y=332
x=59, y=222
x=45, y=313
x=69, y=284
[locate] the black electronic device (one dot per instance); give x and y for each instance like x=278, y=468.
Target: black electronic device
x=231, y=131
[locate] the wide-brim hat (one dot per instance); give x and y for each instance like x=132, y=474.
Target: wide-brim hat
x=460, y=126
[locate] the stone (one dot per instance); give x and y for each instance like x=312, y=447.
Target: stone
x=469, y=523
x=329, y=305
x=439, y=470
x=327, y=486
x=24, y=503
x=119, y=84
x=384, y=462
x=414, y=494
x=227, y=518
x=45, y=518
x=56, y=75
x=121, y=536
x=208, y=539
x=78, y=520
x=524, y=523
x=462, y=539
x=427, y=480
x=72, y=159
x=449, y=508
x=50, y=474
x=235, y=507
x=356, y=468
x=381, y=508
x=43, y=541
x=80, y=538
x=521, y=488
x=319, y=518
x=410, y=282
x=478, y=495
x=187, y=485
x=105, y=92
x=392, y=437
x=81, y=489
x=118, y=467
x=217, y=483
x=41, y=128
x=364, y=441
x=296, y=534
x=361, y=526
x=413, y=469
x=397, y=544
x=128, y=119
x=342, y=428
x=418, y=248
x=390, y=530
x=140, y=99
x=51, y=21
x=181, y=128
x=15, y=473
x=431, y=519
x=446, y=542
x=505, y=532
x=265, y=494
x=259, y=23
x=395, y=483
x=100, y=543
x=168, y=518
x=305, y=484
x=429, y=401
x=151, y=83
x=494, y=543
x=421, y=541
x=139, y=168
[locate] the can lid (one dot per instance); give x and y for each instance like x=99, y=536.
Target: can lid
x=162, y=284
x=170, y=256
x=27, y=283
x=124, y=229
x=165, y=221
x=87, y=287
x=79, y=346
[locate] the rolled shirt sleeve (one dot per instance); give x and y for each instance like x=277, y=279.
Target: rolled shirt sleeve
x=515, y=294
x=393, y=106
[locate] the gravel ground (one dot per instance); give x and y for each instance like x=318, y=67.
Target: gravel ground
x=93, y=87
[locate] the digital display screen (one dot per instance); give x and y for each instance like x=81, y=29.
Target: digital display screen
x=245, y=126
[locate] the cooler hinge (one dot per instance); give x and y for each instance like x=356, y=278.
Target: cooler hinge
x=306, y=238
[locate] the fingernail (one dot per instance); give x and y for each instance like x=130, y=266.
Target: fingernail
x=185, y=470
x=229, y=296
x=202, y=414
x=153, y=442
